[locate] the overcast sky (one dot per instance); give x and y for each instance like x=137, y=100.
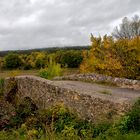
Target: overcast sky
x=26, y=24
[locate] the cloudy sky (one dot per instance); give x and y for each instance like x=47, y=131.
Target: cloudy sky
x=26, y=24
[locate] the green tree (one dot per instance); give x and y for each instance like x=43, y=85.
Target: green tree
x=71, y=59
x=13, y=61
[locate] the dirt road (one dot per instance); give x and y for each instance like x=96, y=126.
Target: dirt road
x=112, y=93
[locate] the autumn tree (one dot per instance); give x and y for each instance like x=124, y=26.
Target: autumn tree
x=119, y=58
x=35, y=60
x=128, y=53
x=101, y=58
x=41, y=60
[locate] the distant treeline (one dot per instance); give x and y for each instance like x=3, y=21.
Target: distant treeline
x=70, y=57
x=48, y=50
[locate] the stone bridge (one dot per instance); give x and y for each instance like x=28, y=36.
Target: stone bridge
x=91, y=101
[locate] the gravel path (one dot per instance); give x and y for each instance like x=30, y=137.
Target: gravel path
x=111, y=93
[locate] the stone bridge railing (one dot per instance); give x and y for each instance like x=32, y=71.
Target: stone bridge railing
x=103, y=79
x=47, y=93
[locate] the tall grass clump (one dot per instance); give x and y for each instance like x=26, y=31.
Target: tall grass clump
x=53, y=69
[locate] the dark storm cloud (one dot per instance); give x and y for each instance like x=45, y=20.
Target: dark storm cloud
x=42, y=23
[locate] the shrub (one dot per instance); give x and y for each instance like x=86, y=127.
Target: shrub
x=51, y=71
x=44, y=73
x=40, y=63
x=23, y=110
x=13, y=61
x=131, y=122
x=70, y=133
x=58, y=116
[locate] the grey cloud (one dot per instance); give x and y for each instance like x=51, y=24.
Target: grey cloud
x=42, y=23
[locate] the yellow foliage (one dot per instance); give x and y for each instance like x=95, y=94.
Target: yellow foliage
x=115, y=58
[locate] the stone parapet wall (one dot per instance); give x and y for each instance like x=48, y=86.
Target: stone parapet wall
x=47, y=93
x=99, y=78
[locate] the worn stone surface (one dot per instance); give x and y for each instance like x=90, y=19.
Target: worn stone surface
x=45, y=93
x=99, y=78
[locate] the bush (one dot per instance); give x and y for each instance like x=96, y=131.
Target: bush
x=23, y=110
x=57, y=115
x=40, y=63
x=51, y=71
x=131, y=122
x=13, y=61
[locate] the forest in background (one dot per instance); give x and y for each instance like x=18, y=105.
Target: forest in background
x=47, y=49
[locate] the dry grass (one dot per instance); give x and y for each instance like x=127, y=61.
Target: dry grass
x=70, y=71
x=9, y=73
